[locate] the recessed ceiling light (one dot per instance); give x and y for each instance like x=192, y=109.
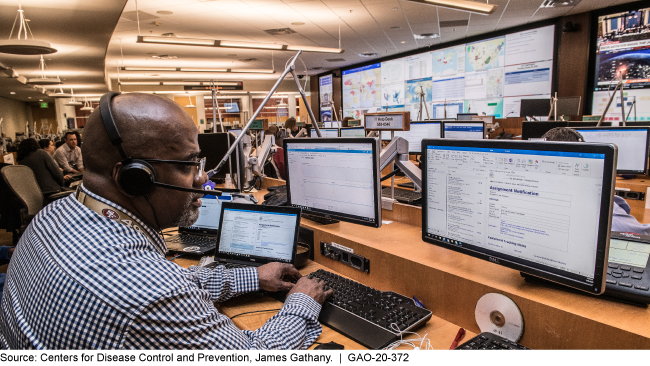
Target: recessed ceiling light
x=165, y=12
x=426, y=35
x=395, y=28
x=403, y=41
x=297, y=23
x=368, y=54
x=558, y=3
x=12, y=92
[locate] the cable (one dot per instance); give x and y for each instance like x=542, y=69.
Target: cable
x=251, y=312
x=176, y=256
x=397, y=170
x=402, y=341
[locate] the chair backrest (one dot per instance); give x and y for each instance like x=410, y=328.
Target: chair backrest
x=23, y=183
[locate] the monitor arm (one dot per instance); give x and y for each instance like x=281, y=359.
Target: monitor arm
x=398, y=151
x=302, y=133
x=257, y=162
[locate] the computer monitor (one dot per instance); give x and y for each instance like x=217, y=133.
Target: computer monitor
x=336, y=178
x=353, y=132
x=209, y=215
x=327, y=124
x=231, y=107
x=538, y=207
x=418, y=132
x=486, y=119
x=535, y=129
x=213, y=148
x=464, y=130
x=257, y=233
x=465, y=116
x=632, y=145
x=326, y=132
x=535, y=107
x=568, y=106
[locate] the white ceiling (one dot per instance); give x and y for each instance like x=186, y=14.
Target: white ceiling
x=79, y=29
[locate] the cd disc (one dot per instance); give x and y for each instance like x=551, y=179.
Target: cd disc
x=498, y=314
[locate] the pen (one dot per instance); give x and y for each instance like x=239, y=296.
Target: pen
x=459, y=337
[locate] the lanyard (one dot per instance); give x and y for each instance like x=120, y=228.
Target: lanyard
x=110, y=213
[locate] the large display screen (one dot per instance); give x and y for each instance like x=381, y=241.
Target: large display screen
x=325, y=95
x=623, y=50
x=488, y=77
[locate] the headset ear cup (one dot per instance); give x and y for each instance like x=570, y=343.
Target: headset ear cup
x=136, y=178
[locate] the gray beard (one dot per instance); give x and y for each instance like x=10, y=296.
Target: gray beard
x=189, y=215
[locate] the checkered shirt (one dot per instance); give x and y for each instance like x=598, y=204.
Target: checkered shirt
x=78, y=280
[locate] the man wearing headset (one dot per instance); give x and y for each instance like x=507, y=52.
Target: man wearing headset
x=90, y=270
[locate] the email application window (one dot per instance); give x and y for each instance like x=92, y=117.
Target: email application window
x=539, y=206
x=255, y=233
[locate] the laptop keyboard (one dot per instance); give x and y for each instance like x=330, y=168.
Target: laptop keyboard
x=195, y=240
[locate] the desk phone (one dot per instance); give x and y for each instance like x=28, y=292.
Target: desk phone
x=627, y=271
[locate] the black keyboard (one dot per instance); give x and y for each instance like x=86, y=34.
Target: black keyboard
x=403, y=195
x=195, y=240
x=371, y=317
x=488, y=340
x=319, y=219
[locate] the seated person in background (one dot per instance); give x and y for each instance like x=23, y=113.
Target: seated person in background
x=47, y=173
x=111, y=286
x=5, y=255
x=47, y=145
x=621, y=218
x=290, y=127
x=68, y=156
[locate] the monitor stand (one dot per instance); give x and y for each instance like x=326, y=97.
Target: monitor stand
x=605, y=295
x=407, y=185
x=319, y=219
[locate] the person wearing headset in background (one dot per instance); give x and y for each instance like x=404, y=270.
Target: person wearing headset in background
x=621, y=218
x=110, y=285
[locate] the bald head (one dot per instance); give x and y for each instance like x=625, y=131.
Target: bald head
x=150, y=127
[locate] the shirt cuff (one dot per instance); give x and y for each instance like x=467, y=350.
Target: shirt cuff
x=304, y=301
x=245, y=280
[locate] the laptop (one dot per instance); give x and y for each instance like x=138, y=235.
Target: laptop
x=201, y=238
x=254, y=235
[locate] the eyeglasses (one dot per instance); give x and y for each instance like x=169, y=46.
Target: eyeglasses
x=199, y=164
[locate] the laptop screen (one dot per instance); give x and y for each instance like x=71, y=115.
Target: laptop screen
x=209, y=214
x=258, y=233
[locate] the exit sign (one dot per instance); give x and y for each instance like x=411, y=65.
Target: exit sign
x=44, y=105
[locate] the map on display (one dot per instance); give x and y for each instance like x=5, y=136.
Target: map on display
x=485, y=54
x=483, y=76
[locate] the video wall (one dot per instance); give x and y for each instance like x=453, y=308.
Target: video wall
x=488, y=77
x=325, y=97
x=623, y=50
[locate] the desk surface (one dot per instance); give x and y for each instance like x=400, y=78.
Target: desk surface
x=440, y=332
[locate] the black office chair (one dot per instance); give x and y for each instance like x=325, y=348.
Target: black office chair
x=22, y=183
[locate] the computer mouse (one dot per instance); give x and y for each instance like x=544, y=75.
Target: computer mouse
x=330, y=345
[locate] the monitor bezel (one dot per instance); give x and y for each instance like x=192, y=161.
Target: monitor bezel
x=351, y=128
x=647, y=145
x=259, y=208
x=442, y=128
x=416, y=123
x=376, y=179
x=312, y=131
x=606, y=205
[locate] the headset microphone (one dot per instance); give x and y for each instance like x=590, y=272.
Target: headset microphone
x=136, y=177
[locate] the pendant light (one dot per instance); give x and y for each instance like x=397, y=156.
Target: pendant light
x=43, y=80
x=73, y=102
x=22, y=45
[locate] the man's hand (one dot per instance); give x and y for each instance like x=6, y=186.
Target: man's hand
x=315, y=288
x=270, y=276
x=67, y=177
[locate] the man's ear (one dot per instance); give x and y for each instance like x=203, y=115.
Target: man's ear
x=114, y=174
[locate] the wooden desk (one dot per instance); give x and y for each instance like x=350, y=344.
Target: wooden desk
x=440, y=332
x=451, y=283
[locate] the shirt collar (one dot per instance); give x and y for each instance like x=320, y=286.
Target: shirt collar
x=159, y=242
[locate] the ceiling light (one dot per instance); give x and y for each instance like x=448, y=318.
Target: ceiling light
x=22, y=45
x=464, y=5
x=558, y=3
x=368, y=54
x=43, y=80
x=132, y=68
x=12, y=93
x=426, y=36
x=73, y=102
x=233, y=44
x=165, y=12
x=176, y=40
x=253, y=71
x=190, y=105
x=197, y=83
x=266, y=46
x=188, y=69
x=139, y=83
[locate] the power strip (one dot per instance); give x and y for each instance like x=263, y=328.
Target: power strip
x=347, y=257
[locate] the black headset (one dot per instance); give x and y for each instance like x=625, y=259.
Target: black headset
x=137, y=177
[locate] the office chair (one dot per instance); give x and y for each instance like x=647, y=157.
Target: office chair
x=22, y=183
